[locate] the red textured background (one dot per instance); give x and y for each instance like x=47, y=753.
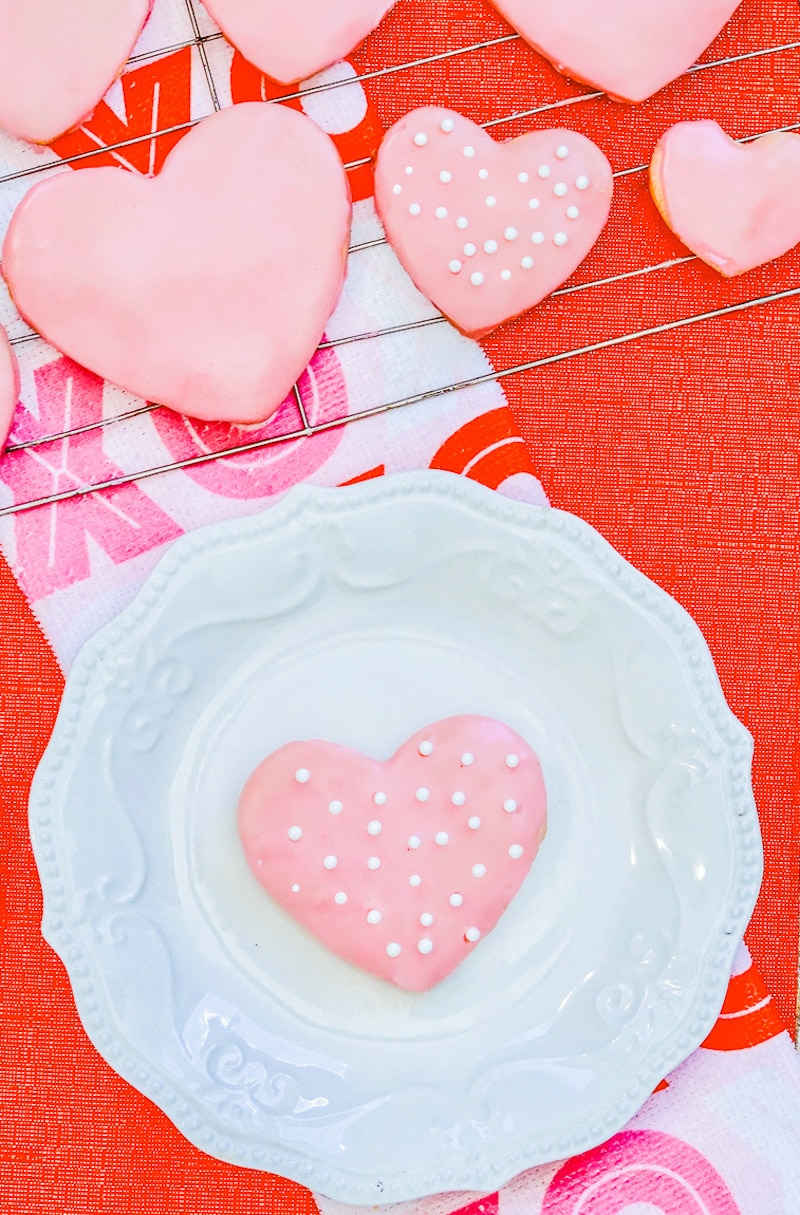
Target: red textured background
x=682, y=449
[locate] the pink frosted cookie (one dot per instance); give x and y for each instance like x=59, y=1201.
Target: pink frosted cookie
x=398, y=867
x=734, y=205
x=58, y=57
x=487, y=229
x=292, y=39
x=206, y=288
x=628, y=48
x=9, y=387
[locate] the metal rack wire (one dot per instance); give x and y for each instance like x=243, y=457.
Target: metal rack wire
x=200, y=42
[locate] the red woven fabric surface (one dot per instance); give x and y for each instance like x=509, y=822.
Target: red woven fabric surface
x=682, y=449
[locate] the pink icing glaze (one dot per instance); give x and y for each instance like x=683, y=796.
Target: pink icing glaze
x=9, y=387
x=58, y=57
x=628, y=48
x=424, y=852
x=734, y=205
x=206, y=288
x=292, y=39
x=487, y=229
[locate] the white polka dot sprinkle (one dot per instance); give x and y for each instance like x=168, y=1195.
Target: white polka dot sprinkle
x=425, y=945
x=302, y=776
x=473, y=934
x=515, y=851
x=340, y=897
x=374, y=916
x=560, y=239
x=445, y=176
x=479, y=871
x=414, y=841
x=509, y=805
x=422, y=794
x=374, y=862
x=426, y=747
x=505, y=274
x=544, y=171
x=420, y=139
x=468, y=151
x=473, y=822
x=409, y=169
x=379, y=798
x=441, y=212
x=533, y=203
x=456, y=900
x=467, y=758
x=490, y=200
x=582, y=183
x=426, y=919
x=335, y=807
x=560, y=189
x=455, y=267
x=490, y=246
x=458, y=798
x=537, y=238
x=462, y=222
x=562, y=152
x=572, y=212
x=527, y=263
x=523, y=177
x=415, y=880
x=397, y=189
x=447, y=125
x=483, y=174
x=442, y=838
x=470, y=250
x=295, y=889
x=295, y=833
x=415, y=209
x=375, y=827
x=511, y=234
x=512, y=761
x=330, y=862
x=476, y=279
x=393, y=949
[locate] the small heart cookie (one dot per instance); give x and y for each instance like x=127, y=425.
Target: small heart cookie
x=486, y=230
x=206, y=288
x=734, y=205
x=58, y=58
x=398, y=867
x=292, y=39
x=628, y=48
x=9, y=387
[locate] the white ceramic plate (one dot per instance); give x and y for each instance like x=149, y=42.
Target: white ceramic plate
x=360, y=615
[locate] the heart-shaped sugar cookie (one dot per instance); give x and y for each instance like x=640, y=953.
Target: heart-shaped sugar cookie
x=206, y=288
x=734, y=205
x=9, y=387
x=488, y=229
x=292, y=39
x=58, y=58
x=398, y=867
x=628, y=48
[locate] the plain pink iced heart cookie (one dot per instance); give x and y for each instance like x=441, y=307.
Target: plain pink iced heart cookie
x=400, y=867
x=58, y=58
x=628, y=48
x=206, y=288
x=9, y=387
x=734, y=205
x=487, y=229
x=292, y=39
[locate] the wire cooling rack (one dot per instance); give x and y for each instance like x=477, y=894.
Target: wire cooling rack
x=202, y=42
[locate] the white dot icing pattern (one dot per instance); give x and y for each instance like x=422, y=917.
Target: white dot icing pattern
x=302, y=776
x=449, y=174
x=379, y=798
x=455, y=266
x=442, y=869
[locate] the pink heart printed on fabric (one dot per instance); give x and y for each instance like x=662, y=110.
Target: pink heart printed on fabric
x=206, y=288
x=486, y=230
x=9, y=387
x=291, y=39
x=399, y=867
x=734, y=205
x=58, y=58
x=628, y=48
